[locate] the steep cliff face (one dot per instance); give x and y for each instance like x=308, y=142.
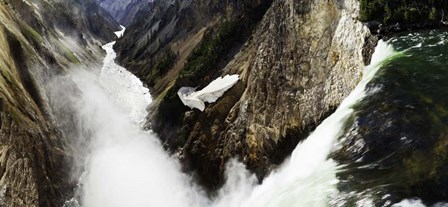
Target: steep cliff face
x=305, y=57
x=157, y=44
x=297, y=64
x=34, y=160
x=124, y=11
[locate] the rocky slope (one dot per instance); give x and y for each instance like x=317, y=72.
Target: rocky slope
x=297, y=60
x=124, y=11
x=39, y=39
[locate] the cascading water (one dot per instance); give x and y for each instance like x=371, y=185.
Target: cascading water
x=127, y=166
x=121, y=170
x=393, y=147
x=308, y=177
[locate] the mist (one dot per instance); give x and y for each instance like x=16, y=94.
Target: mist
x=117, y=162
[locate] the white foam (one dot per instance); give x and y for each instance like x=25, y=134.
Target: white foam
x=409, y=203
x=124, y=86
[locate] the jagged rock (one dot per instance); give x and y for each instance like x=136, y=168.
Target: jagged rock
x=298, y=64
x=304, y=59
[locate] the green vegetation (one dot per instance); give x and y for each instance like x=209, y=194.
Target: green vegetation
x=212, y=53
x=161, y=67
x=203, y=61
x=209, y=53
x=30, y=34
x=404, y=11
x=70, y=56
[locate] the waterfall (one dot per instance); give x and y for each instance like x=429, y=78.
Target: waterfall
x=127, y=166
x=308, y=178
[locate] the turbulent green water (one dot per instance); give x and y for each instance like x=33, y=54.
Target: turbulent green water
x=395, y=146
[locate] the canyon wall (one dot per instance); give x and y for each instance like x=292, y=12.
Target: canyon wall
x=39, y=39
x=124, y=11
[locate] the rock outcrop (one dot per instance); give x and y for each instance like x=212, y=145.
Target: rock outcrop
x=39, y=39
x=297, y=62
x=157, y=44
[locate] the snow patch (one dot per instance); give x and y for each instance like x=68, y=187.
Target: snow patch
x=212, y=92
x=121, y=32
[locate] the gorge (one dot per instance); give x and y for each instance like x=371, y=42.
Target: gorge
x=124, y=161
x=323, y=103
